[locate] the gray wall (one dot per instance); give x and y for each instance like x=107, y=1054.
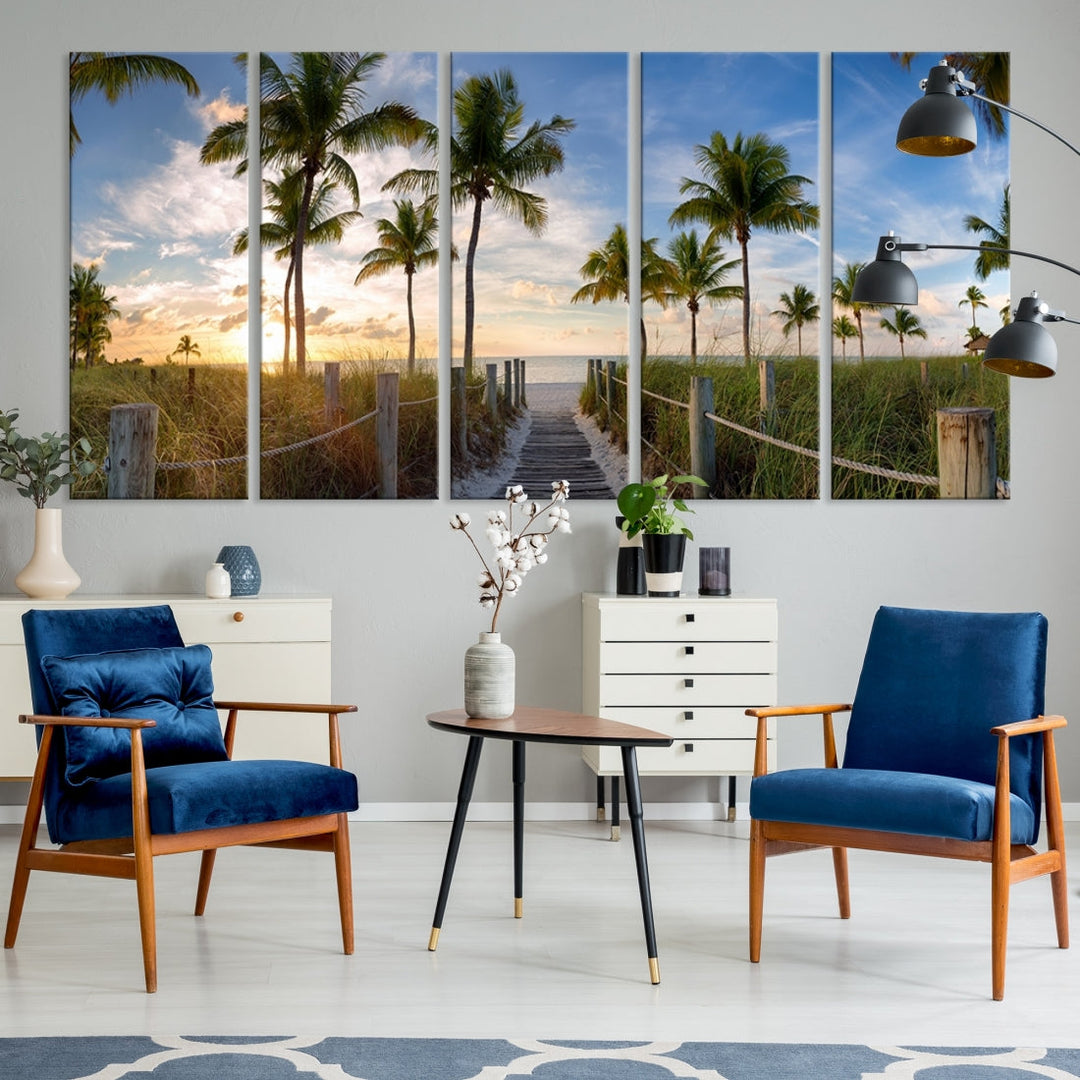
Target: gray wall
x=401, y=582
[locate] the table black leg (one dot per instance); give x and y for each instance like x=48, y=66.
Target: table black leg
x=615, y=800
x=637, y=828
x=599, y=798
x=519, y=824
x=731, y=798
x=465, y=788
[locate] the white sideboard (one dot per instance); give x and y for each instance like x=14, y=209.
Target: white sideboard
x=686, y=666
x=265, y=648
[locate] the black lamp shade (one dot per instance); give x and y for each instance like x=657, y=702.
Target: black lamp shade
x=1024, y=349
x=886, y=280
x=939, y=124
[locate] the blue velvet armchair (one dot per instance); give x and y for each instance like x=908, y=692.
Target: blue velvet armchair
x=132, y=763
x=948, y=754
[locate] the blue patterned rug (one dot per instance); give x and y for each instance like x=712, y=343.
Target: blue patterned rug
x=278, y=1058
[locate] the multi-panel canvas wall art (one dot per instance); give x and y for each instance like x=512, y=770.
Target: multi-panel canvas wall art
x=158, y=296
x=729, y=271
x=349, y=374
x=910, y=397
x=538, y=166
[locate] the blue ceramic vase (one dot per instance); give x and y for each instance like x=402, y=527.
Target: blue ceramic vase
x=243, y=569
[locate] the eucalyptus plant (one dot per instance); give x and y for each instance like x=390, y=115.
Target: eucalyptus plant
x=40, y=466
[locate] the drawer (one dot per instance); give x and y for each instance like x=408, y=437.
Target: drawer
x=707, y=723
x=700, y=657
x=212, y=621
x=708, y=757
x=686, y=692
x=690, y=619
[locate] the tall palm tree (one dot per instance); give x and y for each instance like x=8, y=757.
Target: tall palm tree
x=844, y=329
x=905, y=324
x=187, y=348
x=607, y=275
x=492, y=157
x=408, y=243
x=697, y=274
x=116, y=74
x=843, y=286
x=997, y=236
x=976, y=298
x=745, y=185
x=279, y=233
x=797, y=308
x=310, y=117
x=90, y=310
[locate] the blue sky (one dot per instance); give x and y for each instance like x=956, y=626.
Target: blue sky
x=524, y=283
x=685, y=98
x=876, y=188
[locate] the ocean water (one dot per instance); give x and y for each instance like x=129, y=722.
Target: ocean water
x=548, y=369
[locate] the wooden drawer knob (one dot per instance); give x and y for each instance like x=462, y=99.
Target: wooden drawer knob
x=238, y=616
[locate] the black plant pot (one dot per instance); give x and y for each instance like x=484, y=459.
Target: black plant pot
x=664, y=555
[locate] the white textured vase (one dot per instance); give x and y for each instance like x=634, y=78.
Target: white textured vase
x=489, y=678
x=218, y=582
x=48, y=575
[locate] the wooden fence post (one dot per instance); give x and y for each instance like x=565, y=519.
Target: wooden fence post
x=508, y=385
x=590, y=374
x=458, y=404
x=611, y=390
x=924, y=373
x=517, y=382
x=132, y=451
x=967, y=453
x=767, y=393
x=702, y=436
x=491, y=397
x=386, y=432
x=332, y=392
x=524, y=403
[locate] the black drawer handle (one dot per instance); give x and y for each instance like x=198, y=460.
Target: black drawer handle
x=689, y=616
x=688, y=748
x=688, y=715
x=688, y=684
x=688, y=650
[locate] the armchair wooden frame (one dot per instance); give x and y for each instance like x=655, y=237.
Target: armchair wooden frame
x=132, y=857
x=1009, y=862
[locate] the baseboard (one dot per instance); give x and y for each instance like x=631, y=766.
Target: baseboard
x=12, y=814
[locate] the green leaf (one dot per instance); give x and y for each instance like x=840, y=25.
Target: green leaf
x=635, y=501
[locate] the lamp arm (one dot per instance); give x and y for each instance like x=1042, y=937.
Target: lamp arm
x=988, y=247
x=1023, y=116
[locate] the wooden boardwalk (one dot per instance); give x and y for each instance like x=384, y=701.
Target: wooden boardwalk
x=556, y=450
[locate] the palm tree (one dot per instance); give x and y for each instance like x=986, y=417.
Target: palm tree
x=905, y=324
x=745, y=185
x=843, y=286
x=844, y=329
x=491, y=157
x=797, y=309
x=997, y=236
x=310, y=116
x=323, y=227
x=1006, y=315
x=607, y=274
x=409, y=243
x=90, y=310
x=187, y=347
x=697, y=273
x=976, y=298
x=116, y=74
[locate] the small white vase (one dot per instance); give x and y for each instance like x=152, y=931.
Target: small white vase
x=218, y=582
x=489, y=678
x=47, y=576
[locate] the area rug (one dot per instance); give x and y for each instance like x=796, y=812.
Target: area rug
x=279, y=1058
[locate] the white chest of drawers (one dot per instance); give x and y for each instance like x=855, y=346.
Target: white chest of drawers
x=265, y=648
x=686, y=666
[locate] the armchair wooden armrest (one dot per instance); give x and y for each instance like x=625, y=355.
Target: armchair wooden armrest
x=761, y=766
x=1029, y=727
x=86, y=721
x=330, y=711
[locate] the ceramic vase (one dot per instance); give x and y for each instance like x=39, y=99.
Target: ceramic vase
x=664, y=555
x=47, y=576
x=630, y=568
x=218, y=582
x=489, y=678
x=244, y=573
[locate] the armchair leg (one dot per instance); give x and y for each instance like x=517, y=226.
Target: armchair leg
x=840, y=870
x=144, y=887
x=18, y=895
x=206, y=870
x=343, y=865
x=28, y=840
x=757, y=887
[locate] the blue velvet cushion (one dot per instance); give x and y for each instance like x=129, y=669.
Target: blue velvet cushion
x=887, y=801
x=207, y=795
x=172, y=686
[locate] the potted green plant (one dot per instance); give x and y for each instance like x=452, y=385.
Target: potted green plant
x=39, y=466
x=652, y=510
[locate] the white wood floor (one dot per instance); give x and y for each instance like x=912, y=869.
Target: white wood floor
x=912, y=965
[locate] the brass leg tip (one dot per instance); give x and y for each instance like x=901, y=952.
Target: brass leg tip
x=517, y=907
x=731, y=813
x=433, y=940
x=654, y=970
x=614, y=832
x=601, y=813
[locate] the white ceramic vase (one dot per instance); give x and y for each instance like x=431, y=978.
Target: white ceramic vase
x=489, y=678
x=218, y=582
x=47, y=576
